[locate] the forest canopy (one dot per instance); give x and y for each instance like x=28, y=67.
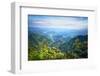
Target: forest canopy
x=42, y=48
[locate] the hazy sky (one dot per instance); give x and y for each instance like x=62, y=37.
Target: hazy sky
x=69, y=22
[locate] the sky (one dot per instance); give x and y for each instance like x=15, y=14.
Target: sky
x=68, y=22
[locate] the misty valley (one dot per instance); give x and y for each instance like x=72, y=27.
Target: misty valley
x=46, y=43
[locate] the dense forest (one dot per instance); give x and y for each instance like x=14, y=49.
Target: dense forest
x=44, y=44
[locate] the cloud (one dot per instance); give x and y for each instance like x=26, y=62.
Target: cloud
x=61, y=22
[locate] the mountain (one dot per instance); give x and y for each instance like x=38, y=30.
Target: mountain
x=62, y=43
x=57, y=33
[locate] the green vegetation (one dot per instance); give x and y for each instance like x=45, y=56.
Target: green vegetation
x=43, y=48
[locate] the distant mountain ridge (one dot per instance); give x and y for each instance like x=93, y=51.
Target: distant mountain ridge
x=54, y=32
